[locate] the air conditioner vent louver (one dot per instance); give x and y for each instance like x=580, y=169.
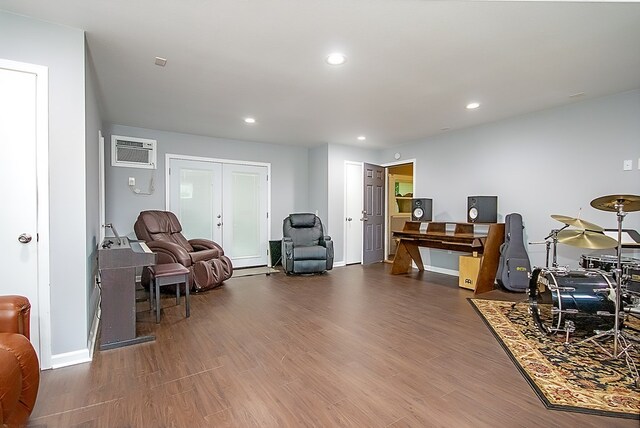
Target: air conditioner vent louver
x=133, y=152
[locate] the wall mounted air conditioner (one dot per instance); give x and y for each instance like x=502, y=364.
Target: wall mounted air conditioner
x=133, y=152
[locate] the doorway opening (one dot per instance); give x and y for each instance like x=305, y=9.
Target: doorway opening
x=400, y=191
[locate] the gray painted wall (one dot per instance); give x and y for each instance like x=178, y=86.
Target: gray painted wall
x=289, y=185
x=62, y=50
x=550, y=162
x=93, y=124
x=319, y=182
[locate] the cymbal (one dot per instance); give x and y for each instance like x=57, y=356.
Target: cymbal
x=608, y=203
x=586, y=239
x=572, y=221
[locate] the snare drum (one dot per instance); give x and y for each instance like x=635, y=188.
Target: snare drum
x=605, y=262
x=564, y=301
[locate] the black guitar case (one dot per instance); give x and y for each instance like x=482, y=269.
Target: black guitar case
x=514, y=266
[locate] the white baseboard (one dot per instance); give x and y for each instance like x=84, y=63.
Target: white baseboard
x=339, y=264
x=70, y=358
x=82, y=355
x=442, y=270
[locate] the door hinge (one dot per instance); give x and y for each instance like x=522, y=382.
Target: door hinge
x=267, y=215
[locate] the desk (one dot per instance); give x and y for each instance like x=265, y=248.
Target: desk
x=117, y=263
x=464, y=238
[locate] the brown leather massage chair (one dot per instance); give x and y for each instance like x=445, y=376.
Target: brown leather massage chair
x=205, y=259
x=19, y=367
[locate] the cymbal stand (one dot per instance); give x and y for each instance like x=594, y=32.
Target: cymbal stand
x=619, y=339
x=554, y=240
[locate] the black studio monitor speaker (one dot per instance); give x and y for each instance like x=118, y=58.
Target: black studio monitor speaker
x=482, y=209
x=421, y=209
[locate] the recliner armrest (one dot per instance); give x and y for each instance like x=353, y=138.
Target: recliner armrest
x=15, y=315
x=287, y=247
x=174, y=251
x=205, y=244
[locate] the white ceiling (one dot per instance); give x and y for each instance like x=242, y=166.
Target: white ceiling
x=412, y=65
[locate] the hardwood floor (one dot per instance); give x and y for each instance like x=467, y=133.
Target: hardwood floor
x=356, y=347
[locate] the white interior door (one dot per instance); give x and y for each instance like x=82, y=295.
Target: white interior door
x=195, y=197
x=353, y=212
x=245, y=214
x=19, y=135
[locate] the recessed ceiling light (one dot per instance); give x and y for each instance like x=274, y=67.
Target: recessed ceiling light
x=473, y=105
x=336, y=58
x=249, y=120
x=362, y=138
x=161, y=61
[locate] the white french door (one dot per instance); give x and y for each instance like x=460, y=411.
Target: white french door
x=195, y=197
x=24, y=192
x=225, y=202
x=244, y=202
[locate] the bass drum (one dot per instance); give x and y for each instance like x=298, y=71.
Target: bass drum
x=576, y=302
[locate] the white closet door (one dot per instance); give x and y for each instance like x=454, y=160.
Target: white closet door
x=196, y=198
x=19, y=191
x=245, y=214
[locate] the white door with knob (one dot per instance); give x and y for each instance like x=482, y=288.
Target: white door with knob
x=353, y=212
x=23, y=172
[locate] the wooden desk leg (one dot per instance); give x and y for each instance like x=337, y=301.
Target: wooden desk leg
x=405, y=253
x=490, y=259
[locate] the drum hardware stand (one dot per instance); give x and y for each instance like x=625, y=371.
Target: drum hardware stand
x=569, y=327
x=554, y=240
x=620, y=344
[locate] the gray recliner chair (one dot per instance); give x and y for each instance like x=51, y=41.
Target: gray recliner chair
x=305, y=248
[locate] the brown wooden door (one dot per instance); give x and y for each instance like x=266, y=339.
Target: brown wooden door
x=373, y=214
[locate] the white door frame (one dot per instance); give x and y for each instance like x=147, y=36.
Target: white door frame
x=346, y=196
x=170, y=156
x=386, y=188
x=43, y=317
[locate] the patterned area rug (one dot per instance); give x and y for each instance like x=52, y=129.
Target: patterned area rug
x=577, y=377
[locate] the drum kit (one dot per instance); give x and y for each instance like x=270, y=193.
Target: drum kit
x=597, y=298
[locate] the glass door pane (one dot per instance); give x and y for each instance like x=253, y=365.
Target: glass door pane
x=195, y=198
x=245, y=214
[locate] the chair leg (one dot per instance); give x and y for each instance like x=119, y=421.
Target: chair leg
x=186, y=296
x=157, y=286
x=178, y=294
x=151, y=296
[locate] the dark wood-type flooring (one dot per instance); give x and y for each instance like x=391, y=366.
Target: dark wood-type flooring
x=355, y=347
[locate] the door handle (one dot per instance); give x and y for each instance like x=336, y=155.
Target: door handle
x=24, y=238
x=219, y=224
x=364, y=219
x=349, y=219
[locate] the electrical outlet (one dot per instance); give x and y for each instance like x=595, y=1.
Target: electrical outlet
x=132, y=181
x=627, y=165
